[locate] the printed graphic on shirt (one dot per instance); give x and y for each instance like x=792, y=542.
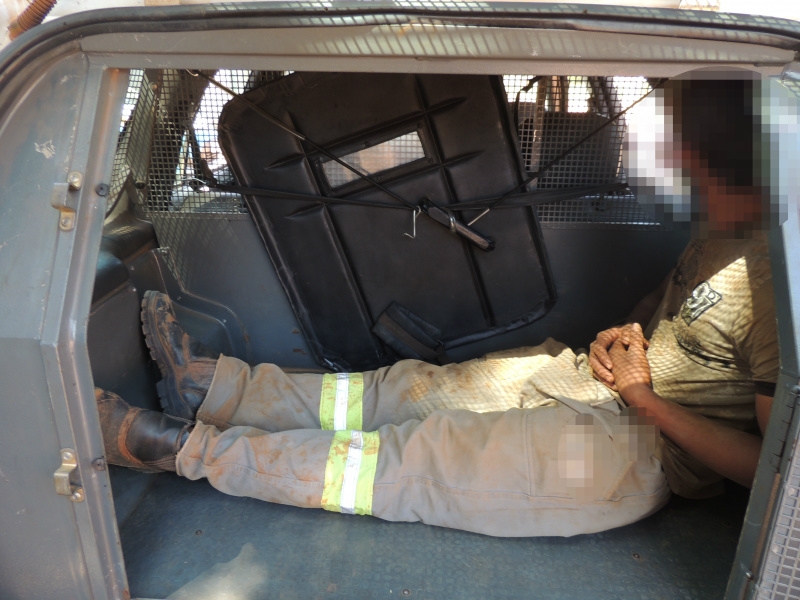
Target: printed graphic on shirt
x=690, y=344
x=703, y=297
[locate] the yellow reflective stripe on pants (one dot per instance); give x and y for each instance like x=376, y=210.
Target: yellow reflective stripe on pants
x=350, y=472
x=340, y=401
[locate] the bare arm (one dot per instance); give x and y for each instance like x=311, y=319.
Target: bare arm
x=729, y=452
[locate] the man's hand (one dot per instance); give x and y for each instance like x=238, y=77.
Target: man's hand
x=729, y=452
x=599, y=359
x=628, y=355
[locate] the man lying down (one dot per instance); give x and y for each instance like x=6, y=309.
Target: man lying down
x=528, y=442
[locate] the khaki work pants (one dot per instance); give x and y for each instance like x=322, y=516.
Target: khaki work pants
x=519, y=443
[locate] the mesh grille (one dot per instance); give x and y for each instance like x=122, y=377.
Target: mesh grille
x=169, y=123
x=552, y=114
x=781, y=576
x=168, y=147
x=700, y=5
x=124, y=159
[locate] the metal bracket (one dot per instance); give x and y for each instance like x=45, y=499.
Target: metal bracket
x=61, y=478
x=65, y=202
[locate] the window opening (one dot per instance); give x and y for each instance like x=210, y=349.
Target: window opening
x=555, y=112
x=168, y=126
x=393, y=153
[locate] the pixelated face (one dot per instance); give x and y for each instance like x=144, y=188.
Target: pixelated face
x=722, y=206
x=717, y=149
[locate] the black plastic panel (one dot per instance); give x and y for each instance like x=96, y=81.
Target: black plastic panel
x=343, y=265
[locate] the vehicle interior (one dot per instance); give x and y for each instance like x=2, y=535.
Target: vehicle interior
x=275, y=251
x=170, y=229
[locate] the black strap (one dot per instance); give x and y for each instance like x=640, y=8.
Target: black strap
x=531, y=82
x=429, y=208
x=246, y=191
x=420, y=344
x=532, y=198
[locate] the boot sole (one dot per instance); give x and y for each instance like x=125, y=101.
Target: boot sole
x=169, y=393
x=148, y=328
x=149, y=320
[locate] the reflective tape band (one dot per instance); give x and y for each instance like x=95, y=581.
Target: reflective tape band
x=350, y=472
x=352, y=469
x=340, y=402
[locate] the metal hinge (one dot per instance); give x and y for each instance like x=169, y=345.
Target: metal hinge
x=65, y=202
x=63, y=476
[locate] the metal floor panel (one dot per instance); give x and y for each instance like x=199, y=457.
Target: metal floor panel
x=186, y=540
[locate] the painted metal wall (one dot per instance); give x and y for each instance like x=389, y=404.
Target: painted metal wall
x=52, y=546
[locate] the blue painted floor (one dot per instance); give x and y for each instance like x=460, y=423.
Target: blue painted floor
x=186, y=540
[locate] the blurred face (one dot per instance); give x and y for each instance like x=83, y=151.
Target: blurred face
x=720, y=153
x=724, y=210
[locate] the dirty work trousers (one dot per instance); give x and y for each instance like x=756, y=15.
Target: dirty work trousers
x=518, y=443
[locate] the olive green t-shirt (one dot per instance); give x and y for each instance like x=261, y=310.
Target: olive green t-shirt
x=713, y=345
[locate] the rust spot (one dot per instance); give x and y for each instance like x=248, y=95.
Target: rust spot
x=199, y=371
x=430, y=374
x=340, y=449
x=300, y=351
x=295, y=331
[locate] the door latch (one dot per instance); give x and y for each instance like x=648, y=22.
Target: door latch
x=62, y=476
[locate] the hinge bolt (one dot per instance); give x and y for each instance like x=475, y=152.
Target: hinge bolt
x=67, y=456
x=749, y=576
x=77, y=495
x=98, y=464
x=75, y=180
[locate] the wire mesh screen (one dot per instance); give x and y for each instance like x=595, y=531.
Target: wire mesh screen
x=167, y=149
x=781, y=574
x=552, y=115
x=125, y=162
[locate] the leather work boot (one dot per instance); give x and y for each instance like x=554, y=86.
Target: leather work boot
x=186, y=365
x=137, y=438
